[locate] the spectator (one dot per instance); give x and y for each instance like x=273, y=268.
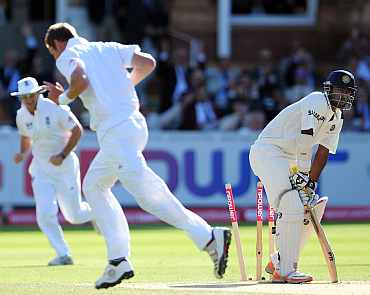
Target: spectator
x=237, y=118
x=356, y=44
x=350, y=123
x=134, y=24
x=363, y=70
x=301, y=86
x=9, y=72
x=198, y=111
x=299, y=56
x=198, y=57
x=172, y=75
x=256, y=120
x=5, y=11
x=9, y=75
x=158, y=19
x=363, y=107
x=219, y=81
x=268, y=82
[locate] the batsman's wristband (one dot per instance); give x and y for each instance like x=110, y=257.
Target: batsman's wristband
x=64, y=99
x=311, y=184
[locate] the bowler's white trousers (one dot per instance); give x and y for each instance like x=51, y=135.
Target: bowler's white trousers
x=58, y=185
x=120, y=158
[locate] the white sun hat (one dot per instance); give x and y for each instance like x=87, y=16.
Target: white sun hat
x=28, y=86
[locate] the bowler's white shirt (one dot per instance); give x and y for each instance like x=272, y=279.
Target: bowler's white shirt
x=312, y=111
x=111, y=97
x=49, y=128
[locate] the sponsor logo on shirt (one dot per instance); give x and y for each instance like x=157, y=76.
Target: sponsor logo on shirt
x=29, y=125
x=47, y=121
x=332, y=127
x=316, y=115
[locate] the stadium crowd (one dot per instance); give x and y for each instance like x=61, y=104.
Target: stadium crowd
x=188, y=91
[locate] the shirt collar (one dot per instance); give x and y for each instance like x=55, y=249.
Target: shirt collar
x=76, y=40
x=72, y=42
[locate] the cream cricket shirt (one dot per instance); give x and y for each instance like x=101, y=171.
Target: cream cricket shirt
x=312, y=111
x=48, y=128
x=111, y=97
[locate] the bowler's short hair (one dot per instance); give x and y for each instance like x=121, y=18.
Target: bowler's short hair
x=59, y=32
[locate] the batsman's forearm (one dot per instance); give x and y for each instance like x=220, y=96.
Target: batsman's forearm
x=319, y=162
x=73, y=140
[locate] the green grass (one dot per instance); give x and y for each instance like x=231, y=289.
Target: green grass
x=159, y=254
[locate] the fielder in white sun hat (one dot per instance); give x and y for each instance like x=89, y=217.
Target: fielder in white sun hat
x=27, y=86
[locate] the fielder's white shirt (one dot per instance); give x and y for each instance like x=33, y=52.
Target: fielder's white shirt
x=49, y=129
x=111, y=97
x=312, y=111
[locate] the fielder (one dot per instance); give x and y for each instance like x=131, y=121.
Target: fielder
x=98, y=73
x=288, y=141
x=52, y=132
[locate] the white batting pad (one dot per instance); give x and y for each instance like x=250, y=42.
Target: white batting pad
x=289, y=229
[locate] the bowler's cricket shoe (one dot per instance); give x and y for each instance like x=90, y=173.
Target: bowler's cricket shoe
x=294, y=277
x=61, y=260
x=113, y=275
x=218, y=249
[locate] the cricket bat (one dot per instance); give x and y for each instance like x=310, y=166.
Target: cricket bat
x=325, y=246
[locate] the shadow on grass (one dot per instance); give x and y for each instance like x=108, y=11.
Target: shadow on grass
x=24, y=266
x=213, y=286
x=355, y=265
x=87, y=227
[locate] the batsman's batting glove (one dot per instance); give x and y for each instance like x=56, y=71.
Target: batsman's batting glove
x=309, y=200
x=301, y=180
x=306, y=188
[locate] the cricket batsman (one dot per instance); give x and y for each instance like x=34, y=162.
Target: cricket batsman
x=98, y=72
x=52, y=132
x=288, y=141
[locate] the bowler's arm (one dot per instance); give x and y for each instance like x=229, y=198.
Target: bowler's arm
x=79, y=82
x=143, y=64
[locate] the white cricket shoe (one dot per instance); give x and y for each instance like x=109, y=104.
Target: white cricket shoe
x=61, y=260
x=218, y=250
x=294, y=277
x=114, y=275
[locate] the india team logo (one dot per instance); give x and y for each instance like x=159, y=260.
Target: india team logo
x=346, y=79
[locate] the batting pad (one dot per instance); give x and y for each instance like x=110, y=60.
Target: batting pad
x=289, y=227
